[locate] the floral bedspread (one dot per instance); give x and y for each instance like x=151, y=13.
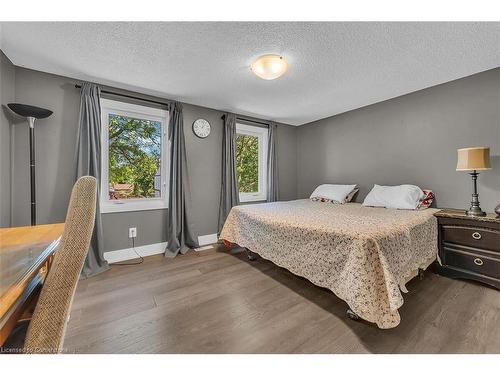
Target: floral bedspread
x=364, y=255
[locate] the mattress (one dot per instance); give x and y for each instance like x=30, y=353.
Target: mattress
x=364, y=255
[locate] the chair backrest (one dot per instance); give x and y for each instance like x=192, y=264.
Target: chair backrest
x=47, y=327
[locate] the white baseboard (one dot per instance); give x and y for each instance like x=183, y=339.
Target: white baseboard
x=156, y=248
x=208, y=247
x=127, y=254
x=207, y=239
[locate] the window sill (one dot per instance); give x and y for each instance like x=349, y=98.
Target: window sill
x=107, y=208
x=252, y=199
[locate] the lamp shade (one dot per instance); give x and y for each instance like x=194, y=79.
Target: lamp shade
x=473, y=159
x=26, y=110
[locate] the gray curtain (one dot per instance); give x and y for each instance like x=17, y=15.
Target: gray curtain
x=179, y=235
x=229, y=195
x=88, y=163
x=272, y=165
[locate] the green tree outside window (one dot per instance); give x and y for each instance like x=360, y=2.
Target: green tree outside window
x=134, y=157
x=247, y=163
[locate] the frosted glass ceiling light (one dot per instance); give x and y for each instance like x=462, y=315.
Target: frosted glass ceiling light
x=269, y=66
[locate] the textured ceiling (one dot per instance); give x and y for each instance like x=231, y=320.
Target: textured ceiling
x=334, y=67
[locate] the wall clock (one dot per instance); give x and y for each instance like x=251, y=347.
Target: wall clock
x=201, y=128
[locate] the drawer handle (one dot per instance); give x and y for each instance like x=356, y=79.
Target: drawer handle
x=476, y=235
x=478, y=261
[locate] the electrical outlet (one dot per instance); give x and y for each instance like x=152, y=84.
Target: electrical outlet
x=132, y=232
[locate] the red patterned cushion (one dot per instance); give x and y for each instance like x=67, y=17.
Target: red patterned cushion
x=427, y=200
x=320, y=199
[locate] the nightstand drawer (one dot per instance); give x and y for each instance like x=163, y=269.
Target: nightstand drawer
x=470, y=261
x=481, y=238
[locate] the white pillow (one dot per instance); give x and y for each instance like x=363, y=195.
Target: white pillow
x=402, y=196
x=337, y=193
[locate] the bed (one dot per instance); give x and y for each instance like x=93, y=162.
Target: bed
x=365, y=255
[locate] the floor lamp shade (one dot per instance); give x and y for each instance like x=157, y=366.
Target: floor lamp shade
x=31, y=113
x=25, y=110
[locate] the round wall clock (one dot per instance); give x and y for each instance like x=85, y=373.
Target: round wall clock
x=201, y=128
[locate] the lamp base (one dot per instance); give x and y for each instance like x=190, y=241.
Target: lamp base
x=475, y=211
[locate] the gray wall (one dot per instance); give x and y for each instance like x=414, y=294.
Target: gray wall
x=7, y=95
x=56, y=137
x=410, y=139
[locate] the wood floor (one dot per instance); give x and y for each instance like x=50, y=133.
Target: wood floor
x=218, y=302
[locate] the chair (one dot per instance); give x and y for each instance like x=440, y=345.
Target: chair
x=48, y=325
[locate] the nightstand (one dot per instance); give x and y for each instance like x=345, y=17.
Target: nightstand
x=469, y=247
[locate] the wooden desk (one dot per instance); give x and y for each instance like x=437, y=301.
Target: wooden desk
x=25, y=255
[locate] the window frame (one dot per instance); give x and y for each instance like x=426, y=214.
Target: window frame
x=109, y=106
x=262, y=133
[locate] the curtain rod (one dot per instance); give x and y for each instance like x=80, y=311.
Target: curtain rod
x=128, y=96
x=167, y=104
x=249, y=120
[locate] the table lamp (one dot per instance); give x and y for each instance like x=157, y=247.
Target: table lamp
x=474, y=159
x=31, y=113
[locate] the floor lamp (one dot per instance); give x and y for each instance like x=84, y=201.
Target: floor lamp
x=31, y=113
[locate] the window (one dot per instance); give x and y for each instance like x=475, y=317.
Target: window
x=134, y=157
x=251, y=162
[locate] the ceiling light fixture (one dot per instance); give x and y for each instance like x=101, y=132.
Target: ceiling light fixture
x=269, y=66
